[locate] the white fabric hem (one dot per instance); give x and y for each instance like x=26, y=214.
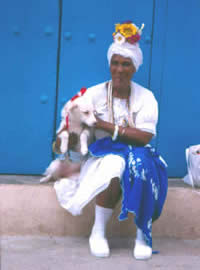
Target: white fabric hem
x=95, y=177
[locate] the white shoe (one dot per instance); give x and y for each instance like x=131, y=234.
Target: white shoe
x=99, y=246
x=141, y=250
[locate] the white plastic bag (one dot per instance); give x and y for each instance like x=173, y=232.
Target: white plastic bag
x=193, y=166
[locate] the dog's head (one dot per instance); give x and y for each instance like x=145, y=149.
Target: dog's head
x=82, y=110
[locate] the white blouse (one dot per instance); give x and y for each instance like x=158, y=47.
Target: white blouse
x=145, y=108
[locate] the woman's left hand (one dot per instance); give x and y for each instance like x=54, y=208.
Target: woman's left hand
x=99, y=123
x=129, y=135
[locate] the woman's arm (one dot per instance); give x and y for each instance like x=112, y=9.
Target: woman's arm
x=128, y=135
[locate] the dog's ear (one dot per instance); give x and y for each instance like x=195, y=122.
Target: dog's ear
x=72, y=106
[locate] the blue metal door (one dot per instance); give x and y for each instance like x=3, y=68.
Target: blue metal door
x=175, y=71
x=53, y=48
x=87, y=28
x=28, y=53
x=50, y=49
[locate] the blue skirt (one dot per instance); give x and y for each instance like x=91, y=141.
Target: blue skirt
x=144, y=182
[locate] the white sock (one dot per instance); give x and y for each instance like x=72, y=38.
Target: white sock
x=139, y=235
x=102, y=216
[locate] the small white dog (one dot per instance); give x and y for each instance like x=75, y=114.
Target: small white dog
x=78, y=118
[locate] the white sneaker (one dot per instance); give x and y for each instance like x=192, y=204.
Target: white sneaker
x=141, y=250
x=99, y=246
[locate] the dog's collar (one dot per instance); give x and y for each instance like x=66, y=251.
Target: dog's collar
x=79, y=94
x=67, y=121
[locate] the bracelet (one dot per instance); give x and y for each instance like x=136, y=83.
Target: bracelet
x=115, y=134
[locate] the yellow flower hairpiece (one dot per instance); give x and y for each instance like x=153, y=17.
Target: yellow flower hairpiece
x=127, y=31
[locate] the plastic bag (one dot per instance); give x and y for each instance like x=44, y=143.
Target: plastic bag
x=193, y=166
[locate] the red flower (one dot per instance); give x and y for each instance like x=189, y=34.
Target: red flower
x=133, y=39
x=127, y=22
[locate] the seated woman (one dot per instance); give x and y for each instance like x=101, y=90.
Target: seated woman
x=121, y=162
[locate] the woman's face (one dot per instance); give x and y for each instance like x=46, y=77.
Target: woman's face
x=122, y=71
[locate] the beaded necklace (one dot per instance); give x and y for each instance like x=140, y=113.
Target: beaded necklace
x=110, y=105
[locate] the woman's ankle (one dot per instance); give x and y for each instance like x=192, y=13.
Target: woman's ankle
x=102, y=216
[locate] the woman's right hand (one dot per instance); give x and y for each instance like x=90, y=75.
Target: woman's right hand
x=58, y=143
x=73, y=140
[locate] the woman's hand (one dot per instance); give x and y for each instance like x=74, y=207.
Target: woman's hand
x=128, y=135
x=57, y=143
x=100, y=123
x=73, y=140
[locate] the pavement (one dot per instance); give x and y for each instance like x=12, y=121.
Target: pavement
x=72, y=253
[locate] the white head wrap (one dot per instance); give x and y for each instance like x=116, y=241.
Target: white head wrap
x=126, y=49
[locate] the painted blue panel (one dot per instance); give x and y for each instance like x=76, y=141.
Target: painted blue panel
x=180, y=82
x=86, y=35
x=28, y=53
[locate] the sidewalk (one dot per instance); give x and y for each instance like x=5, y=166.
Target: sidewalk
x=72, y=253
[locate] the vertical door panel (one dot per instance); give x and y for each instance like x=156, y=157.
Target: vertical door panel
x=28, y=53
x=177, y=24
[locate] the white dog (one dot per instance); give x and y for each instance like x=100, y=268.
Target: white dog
x=77, y=121
x=79, y=115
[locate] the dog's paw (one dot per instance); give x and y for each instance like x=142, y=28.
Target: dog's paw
x=46, y=179
x=63, y=148
x=64, y=136
x=84, y=150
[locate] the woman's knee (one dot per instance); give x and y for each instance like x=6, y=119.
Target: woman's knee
x=109, y=197
x=114, y=165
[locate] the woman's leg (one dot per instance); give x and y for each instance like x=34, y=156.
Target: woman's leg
x=110, y=197
x=105, y=202
x=111, y=167
x=141, y=250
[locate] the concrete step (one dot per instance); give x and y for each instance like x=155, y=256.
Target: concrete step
x=28, y=208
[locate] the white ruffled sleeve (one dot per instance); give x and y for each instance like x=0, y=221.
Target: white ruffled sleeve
x=147, y=117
